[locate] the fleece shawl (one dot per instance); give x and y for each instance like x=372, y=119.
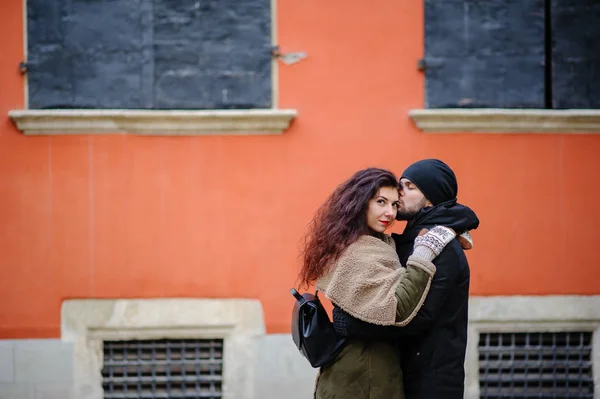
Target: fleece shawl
x=364, y=279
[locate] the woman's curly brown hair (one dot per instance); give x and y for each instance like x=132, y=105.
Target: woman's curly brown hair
x=340, y=221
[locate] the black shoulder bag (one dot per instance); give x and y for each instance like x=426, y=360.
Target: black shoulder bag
x=313, y=332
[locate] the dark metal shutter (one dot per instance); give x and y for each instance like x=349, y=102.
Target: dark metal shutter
x=575, y=53
x=484, y=53
x=163, y=54
x=162, y=369
x=536, y=365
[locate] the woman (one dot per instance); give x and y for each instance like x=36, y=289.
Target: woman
x=354, y=263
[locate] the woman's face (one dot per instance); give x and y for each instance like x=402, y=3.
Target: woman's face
x=382, y=209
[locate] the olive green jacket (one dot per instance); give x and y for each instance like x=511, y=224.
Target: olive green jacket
x=371, y=369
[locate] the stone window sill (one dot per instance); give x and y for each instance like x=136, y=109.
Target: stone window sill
x=490, y=120
x=152, y=122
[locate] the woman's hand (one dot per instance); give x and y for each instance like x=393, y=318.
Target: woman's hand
x=465, y=240
x=430, y=243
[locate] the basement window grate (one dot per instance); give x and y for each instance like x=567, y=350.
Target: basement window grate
x=152, y=369
x=536, y=365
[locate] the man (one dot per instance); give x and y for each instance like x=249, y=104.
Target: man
x=433, y=344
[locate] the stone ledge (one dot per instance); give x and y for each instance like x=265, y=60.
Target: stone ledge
x=152, y=122
x=531, y=308
x=492, y=120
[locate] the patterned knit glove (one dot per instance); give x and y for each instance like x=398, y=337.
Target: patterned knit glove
x=432, y=243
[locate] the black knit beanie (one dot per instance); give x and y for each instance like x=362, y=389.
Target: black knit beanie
x=434, y=178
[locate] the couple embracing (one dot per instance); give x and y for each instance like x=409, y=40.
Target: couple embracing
x=400, y=300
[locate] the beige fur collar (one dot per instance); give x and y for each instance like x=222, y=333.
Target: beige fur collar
x=363, y=280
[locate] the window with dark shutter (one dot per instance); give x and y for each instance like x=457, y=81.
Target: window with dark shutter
x=149, y=54
x=536, y=365
x=512, y=54
x=162, y=369
x=575, y=66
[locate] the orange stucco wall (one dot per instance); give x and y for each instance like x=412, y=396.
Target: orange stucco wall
x=125, y=216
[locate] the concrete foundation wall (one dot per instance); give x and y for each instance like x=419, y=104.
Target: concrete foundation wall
x=43, y=369
x=36, y=369
x=39, y=369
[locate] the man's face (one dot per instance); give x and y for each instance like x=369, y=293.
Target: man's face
x=412, y=200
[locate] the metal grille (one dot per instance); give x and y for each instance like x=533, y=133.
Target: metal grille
x=162, y=369
x=535, y=365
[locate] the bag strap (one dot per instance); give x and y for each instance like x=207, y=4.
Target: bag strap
x=297, y=295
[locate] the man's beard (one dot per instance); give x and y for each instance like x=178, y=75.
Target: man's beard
x=410, y=213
